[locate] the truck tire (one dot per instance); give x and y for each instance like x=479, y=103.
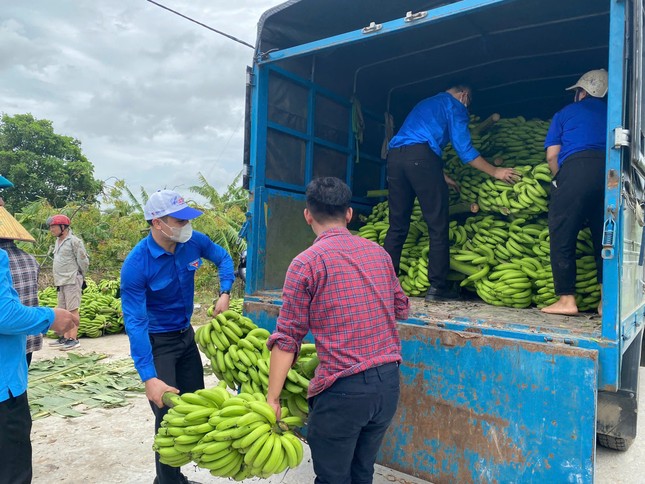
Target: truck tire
x=615, y=443
x=617, y=416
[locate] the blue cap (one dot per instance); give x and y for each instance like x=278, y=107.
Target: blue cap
x=4, y=183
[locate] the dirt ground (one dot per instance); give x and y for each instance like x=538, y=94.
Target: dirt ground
x=114, y=445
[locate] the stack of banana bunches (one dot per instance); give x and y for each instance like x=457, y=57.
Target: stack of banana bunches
x=498, y=232
x=100, y=311
x=237, y=435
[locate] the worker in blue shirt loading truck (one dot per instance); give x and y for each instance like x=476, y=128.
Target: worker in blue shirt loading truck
x=157, y=293
x=415, y=168
x=575, y=151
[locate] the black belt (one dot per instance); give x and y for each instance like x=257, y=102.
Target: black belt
x=173, y=333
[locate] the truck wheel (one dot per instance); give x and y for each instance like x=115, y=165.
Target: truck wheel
x=617, y=416
x=615, y=443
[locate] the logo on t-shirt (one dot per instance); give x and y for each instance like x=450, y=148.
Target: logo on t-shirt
x=194, y=265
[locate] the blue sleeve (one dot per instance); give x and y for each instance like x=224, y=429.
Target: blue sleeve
x=135, y=316
x=554, y=135
x=221, y=258
x=460, y=135
x=15, y=318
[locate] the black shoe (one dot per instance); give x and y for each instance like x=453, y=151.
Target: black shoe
x=184, y=480
x=435, y=294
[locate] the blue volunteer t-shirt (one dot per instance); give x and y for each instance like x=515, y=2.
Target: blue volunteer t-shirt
x=436, y=121
x=579, y=127
x=158, y=288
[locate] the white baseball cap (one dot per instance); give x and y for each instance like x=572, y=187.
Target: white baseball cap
x=167, y=202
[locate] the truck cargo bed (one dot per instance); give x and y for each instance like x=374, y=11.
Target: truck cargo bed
x=476, y=315
x=479, y=314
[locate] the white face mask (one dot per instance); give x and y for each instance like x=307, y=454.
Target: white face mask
x=179, y=234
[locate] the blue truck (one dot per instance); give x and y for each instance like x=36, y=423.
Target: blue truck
x=489, y=394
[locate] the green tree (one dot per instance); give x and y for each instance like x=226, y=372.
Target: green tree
x=223, y=217
x=224, y=214
x=43, y=165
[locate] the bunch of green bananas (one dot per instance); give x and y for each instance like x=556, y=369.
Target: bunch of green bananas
x=48, y=297
x=239, y=356
x=525, y=198
x=232, y=436
x=236, y=304
x=110, y=286
x=233, y=343
x=374, y=231
x=508, y=283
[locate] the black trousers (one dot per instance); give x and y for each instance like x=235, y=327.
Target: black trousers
x=417, y=170
x=178, y=364
x=577, y=199
x=347, y=422
x=15, y=443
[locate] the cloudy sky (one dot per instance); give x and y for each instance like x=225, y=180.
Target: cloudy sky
x=153, y=98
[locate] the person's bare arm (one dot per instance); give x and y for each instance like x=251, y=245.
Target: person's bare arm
x=155, y=388
x=508, y=175
x=552, y=153
x=280, y=365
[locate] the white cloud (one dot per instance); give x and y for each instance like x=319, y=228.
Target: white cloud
x=153, y=98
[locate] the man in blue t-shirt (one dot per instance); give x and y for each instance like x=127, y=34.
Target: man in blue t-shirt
x=157, y=293
x=415, y=168
x=575, y=151
x=16, y=322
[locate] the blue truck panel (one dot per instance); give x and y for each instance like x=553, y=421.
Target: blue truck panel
x=483, y=409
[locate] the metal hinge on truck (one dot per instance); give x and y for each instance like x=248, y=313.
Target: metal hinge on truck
x=621, y=137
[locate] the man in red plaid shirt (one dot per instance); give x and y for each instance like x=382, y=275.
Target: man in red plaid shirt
x=344, y=290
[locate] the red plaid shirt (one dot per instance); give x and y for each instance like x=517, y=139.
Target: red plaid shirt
x=344, y=290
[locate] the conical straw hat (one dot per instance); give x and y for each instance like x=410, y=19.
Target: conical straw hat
x=10, y=228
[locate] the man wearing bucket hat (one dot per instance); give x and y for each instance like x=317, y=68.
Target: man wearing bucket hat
x=17, y=320
x=157, y=291
x=575, y=151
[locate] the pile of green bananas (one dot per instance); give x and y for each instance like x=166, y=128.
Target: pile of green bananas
x=511, y=142
x=100, y=312
x=484, y=245
x=232, y=436
x=236, y=348
x=236, y=305
x=517, y=141
x=508, y=239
